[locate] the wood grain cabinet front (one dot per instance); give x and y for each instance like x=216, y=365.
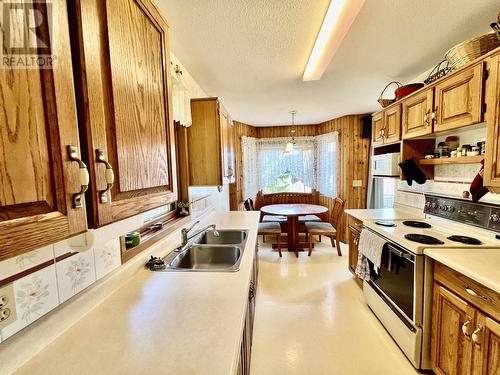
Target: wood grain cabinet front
x=40, y=182
x=465, y=327
x=210, y=144
x=459, y=99
x=492, y=97
x=392, y=124
x=378, y=128
x=417, y=112
x=123, y=79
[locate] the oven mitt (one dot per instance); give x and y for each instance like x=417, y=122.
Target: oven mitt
x=412, y=172
x=477, y=189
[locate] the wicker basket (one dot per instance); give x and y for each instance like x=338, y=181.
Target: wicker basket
x=385, y=102
x=471, y=49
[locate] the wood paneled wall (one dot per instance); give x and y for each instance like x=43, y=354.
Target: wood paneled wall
x=353, y=163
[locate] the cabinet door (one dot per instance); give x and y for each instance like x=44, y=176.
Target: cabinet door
x=486, y=339
x=392, y=124
x=459, y=99
x=452, y=327
x=417, y=114
x=353, y=248
x=38, y=122
x=125, y=109
x=377, y=128
x=491, y=161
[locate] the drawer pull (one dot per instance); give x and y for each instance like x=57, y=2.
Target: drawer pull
x=465, y=327
x=475, y=336
x=472, y=292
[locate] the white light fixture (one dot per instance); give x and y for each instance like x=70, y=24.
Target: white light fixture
x=338, y=19
x=291, y=141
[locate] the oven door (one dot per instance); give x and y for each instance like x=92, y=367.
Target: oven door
x=395, y=281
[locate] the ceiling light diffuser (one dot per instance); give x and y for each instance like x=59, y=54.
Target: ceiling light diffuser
x=338, y=20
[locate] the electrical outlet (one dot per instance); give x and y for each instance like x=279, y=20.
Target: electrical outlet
x=357, y=183
x=8, y=312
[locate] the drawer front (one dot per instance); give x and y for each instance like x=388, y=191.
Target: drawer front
x=355, y=223
x=471, y=291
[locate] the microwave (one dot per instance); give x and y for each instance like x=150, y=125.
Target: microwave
x=386, y=164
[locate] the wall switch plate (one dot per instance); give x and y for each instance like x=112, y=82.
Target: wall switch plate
x=8, y=314
x=357, y=183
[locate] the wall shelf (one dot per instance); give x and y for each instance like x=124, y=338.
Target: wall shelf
x=455, y=160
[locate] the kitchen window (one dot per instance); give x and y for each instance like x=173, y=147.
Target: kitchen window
x=312, y=165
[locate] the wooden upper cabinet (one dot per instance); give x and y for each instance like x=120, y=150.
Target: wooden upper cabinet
x=125, y=107
x=416, y=118
x=452, y=326
x=492, y=159
x=459, y=99
x=39, y=121
x=377, y=128
x=392, y=124
x=211, y=145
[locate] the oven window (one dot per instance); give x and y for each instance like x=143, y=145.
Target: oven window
x=396, y=279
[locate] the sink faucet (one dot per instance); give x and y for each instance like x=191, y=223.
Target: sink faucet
x=186, y=238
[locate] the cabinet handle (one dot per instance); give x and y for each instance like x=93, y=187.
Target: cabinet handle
x=109, y=175
x=426, y=118
x=465, y=327
x=472, y=292
x=434, y=114
x=475, y=336
x=83, y=177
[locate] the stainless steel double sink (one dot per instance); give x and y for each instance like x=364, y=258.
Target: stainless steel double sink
x=210, y=253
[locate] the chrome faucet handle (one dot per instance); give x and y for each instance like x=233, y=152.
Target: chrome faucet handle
x=216, y=232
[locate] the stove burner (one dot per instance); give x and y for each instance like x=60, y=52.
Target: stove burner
x=416, y=224
x=465, y=239
x=156, y=264
x=422, y=238
x=385, y=223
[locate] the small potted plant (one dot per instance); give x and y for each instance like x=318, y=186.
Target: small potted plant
x=183, y=206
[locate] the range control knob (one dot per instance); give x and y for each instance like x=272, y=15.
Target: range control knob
x=450, y=208
x=495, y=218
x=442, y=207
x=428, y=204
x=434, y=205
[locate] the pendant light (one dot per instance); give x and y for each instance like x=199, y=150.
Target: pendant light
x=291, y=140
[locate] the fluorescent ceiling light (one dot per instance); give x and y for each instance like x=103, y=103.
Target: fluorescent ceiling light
x=338, y=19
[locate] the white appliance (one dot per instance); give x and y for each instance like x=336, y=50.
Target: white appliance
x=386, y=164
x=400, y=291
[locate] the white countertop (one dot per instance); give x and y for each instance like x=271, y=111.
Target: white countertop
x=396, y=213
x=480, y=265
x=161, y=322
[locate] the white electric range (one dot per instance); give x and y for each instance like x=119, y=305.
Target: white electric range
x=400, y=291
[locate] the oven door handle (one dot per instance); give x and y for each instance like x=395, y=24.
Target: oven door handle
x=401, y=254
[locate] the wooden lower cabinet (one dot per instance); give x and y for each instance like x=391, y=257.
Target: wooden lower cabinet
x=465, y=326
x=452, y=349
x=247, y=338
x=353, y=248
x=487, y=348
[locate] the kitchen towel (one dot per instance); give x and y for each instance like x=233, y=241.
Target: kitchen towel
x=371, y=245
x=362, y=268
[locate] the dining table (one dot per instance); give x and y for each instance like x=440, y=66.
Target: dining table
x=292, y=211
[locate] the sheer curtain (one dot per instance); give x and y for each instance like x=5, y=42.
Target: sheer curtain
x=312, y=164
x=279, y=171
x=326, y=164
x=250, y=167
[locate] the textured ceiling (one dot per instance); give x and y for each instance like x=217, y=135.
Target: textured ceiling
x=252, y=53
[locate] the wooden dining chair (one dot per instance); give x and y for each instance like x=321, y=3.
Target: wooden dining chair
x=264, y=228
x=327, y=229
